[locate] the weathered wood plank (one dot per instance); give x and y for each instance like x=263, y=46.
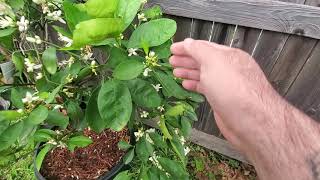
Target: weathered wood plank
x=263, y=14
x=305, y=91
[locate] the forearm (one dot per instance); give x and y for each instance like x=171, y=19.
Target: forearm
x=289, y=148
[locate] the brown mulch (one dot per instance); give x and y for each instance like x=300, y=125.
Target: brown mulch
x=85, y=163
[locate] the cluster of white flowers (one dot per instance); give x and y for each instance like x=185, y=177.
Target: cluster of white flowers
x=157, y=87
x=68, y=93
x=23, y=24
x=31, y=66
x=36, y=39
x=161, y=108
x=6, y=21
x=142, y=17
x=68, y=62
x=56, y=107
x=39, y=76
x=144, y=114
x=87, y=56
x=154, y=159
x=139, y=134
x=56, y=16
x=53, y=142
x=30, y=98
x=68, y=41
x=132, y=52
x=146, y=72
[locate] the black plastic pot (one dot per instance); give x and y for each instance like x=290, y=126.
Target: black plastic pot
x=106, y=176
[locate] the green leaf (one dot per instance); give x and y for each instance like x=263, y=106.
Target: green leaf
x=176, y=110
x=115, y=104
x=17, y=60
x=16, y=4
x=124, y=145
x=6, y=159
x=158, y=140
x=4, y=125
x=41, y=155
x=73, y=15
x=186, y=127
x=62, y=31
x=128, y=70
x=7, y=32
x=53, y=94
x=143, y=94
x=9, y=115
x=49, y=59
x=10, y=135
x=128, y=157
x=178, y=149
x=38, y=115
x=153, y=12
x=170, y=85
x=76, y=115
x=174, y=168
x=101, y=8
x=116, y=57
x=153, y=33
x=142, y=150
x=97, y=32
x=16, y=98
x=127, y=10
x=78, y=141
x=56, y=118
x=163, y=51
x=199, y=162
x=92, y=116
x=124, y=175
x=42, y=136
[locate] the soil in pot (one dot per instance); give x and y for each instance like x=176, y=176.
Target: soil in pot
x=87, y=163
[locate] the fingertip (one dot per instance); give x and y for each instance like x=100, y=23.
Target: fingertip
x=190, y=85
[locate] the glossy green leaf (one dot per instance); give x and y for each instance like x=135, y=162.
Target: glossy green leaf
x=18, y=61
x=10, y=135
x=7, y=32
x=127, y=10
x=56, y=118
x=100, y=29
x=153, y=12
x=153, y=33
x=53, y=94
x=174, y=168
x=78, y=141
x=170, y=85
x=142, y=150
x=124, y=175
x=76, y=115
x=101, y=8
x=158, y=140
x=41, y=137
x=62, y=31
x=176, y=110
x=124, y=145
x=178, y=149
x=16, y=98
x=9, y=115
x=115, y=104
x=49, y=59
x=41, y=155
x=16, y=4
x=6, y=159
x=4, y=125
x=92, y=116
x=186, y=127
x=143, y=94
x=73, y=15
x=163, y=51
x=128, y=157
x=116, y=57
x=38, y=115
x=128, y=70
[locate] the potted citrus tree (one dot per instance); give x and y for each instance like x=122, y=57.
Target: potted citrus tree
x=79, y=106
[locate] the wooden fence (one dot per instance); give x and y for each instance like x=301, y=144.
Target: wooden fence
x=281, y=35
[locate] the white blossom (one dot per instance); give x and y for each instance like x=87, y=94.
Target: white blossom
x=69, y=78
x=45, y=9
x=70, y=61
x=152, y=54
x=157, y=87
x=161, y=108
x=87, y=56
x=149, y=139
x=39, y=76
x=146, y=72
x=142, y=17
x=31, y=66
x=39, y=1
x=93, y=67
x=144, y=114
x=154, y=159
x=53, y=142
x=30, y=98
x=56, y=16
x=186, y=150
x=66, y=92
x=144, y=1
x=20, y=111
x=121, y=36
x=23, y=24
x=56, y=107
x=6, y=21
x=182, y=140
x=152, y=130
x=132, y=52
x=35, y=39
x=68, y=41
x=139, y=134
